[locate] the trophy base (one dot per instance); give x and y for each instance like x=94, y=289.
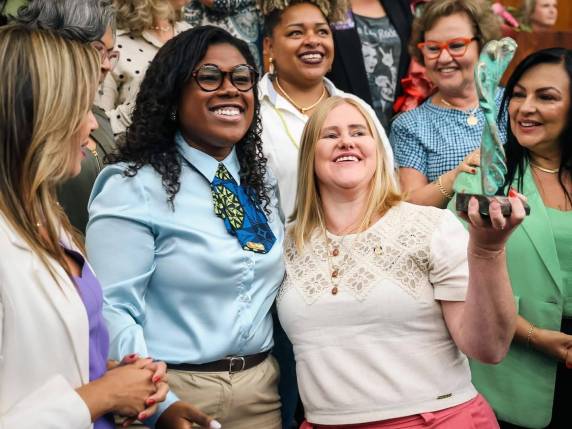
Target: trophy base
x=462, y=204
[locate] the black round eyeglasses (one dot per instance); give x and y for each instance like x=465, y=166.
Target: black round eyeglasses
x=210, y=77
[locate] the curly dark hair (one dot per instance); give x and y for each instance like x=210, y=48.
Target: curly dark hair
x=150, y=140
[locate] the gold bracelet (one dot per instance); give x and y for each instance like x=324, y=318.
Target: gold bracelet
x=442, y=189
x=531, y=329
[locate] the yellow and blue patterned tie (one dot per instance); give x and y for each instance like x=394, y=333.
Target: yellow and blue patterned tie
x=242, y=217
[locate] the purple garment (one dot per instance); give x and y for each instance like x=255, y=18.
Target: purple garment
x=92, y=297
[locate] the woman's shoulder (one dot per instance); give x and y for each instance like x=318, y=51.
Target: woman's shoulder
x=125, y=38
x=120, y=180
x=123, y=169
x=291, y=251
x=181, y=26
x=415, y=225
x=415, y=215
x=420, y=117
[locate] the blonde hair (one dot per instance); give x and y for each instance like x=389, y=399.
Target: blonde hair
x=526, y=10
x=136, y=16
x=308, y=212
x=48, y=86
x=485, y=24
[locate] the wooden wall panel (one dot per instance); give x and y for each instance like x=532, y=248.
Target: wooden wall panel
x=530, y=42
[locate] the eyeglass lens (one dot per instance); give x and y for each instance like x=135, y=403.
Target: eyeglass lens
x=210, y=77
x=456, y=47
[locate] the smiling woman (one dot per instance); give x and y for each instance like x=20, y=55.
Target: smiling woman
x=209, y=122
x=436, y=141
x=186, y=233
x=370, y=275
x=530, y=389
x=47, y=87
x=299, y=41
x=539, y=15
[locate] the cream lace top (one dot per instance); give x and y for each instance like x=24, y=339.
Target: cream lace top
x=378, y=348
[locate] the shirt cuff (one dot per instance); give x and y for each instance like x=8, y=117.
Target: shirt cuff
x=450, y=293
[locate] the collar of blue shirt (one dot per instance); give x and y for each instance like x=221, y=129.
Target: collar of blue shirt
x=206, y=164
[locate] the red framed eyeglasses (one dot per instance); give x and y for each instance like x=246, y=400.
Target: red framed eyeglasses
x=456, y=47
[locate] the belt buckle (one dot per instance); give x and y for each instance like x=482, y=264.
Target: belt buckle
x=233, y=359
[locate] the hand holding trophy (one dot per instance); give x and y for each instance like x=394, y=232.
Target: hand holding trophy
x=493, y=61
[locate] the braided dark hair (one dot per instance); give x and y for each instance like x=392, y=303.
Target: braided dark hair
x=150, y=140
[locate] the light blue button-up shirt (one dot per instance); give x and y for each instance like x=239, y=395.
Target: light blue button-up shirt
x=177, y=286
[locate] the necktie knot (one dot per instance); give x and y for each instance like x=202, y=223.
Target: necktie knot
x=223, y=174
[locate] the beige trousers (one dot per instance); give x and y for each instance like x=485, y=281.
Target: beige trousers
x=243, y=400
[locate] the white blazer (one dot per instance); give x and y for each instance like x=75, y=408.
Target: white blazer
x=44, y=342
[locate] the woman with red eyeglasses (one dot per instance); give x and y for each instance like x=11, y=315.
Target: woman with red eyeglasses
x=439, y=139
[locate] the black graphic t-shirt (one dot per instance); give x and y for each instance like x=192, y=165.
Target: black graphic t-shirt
x=381, y=50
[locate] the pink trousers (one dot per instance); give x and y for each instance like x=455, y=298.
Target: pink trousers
x=473, y=414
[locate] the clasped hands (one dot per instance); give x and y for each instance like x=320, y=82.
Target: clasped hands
x=146, y=380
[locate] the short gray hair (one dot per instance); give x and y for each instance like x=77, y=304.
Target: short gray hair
x=82, y=20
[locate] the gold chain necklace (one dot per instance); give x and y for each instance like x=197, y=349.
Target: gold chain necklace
x=163, y=29
x=543, y=193
x=285, y=126
x=546, y=170
x=303, y=110
x=472, y=119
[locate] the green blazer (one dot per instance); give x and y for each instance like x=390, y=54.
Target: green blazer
x=520, y=389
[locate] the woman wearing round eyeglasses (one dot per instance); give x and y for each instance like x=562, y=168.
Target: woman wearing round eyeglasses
x=186, y=237
x=439, y=139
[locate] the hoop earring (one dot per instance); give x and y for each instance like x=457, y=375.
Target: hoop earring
x=271, y=68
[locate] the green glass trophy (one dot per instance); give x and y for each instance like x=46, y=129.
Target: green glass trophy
x=490, y=176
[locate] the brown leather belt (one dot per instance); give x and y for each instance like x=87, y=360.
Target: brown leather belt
x=230, y=364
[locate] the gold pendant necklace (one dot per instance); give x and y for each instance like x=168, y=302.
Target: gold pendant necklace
x=472, y=119
x=303, y=110
x=546, y=170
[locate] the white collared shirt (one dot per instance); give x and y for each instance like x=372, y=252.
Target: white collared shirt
x=282, y=126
